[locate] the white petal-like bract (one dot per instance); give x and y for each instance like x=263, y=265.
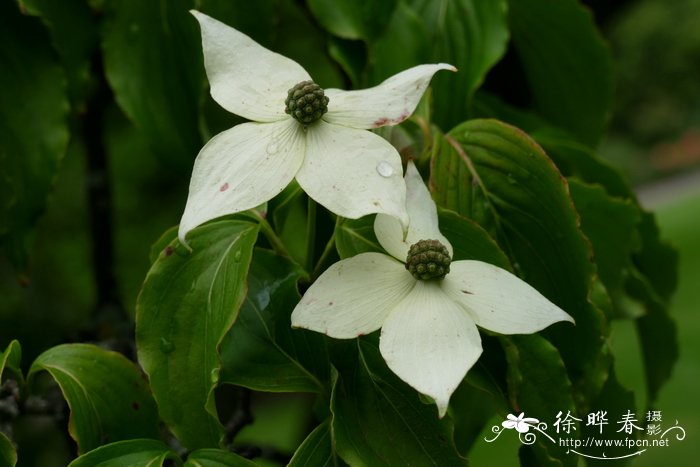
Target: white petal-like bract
x=498, y=300
x=246, y=78
x=423, y=219
x=430, y=342
x=354, y=296
x=388, y=103
x=242, y=168
x=352, y=172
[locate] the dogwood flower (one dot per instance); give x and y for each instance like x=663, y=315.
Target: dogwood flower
x=297, y=130
x=427, y=306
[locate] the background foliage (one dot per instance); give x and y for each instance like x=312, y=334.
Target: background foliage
x=104, y=106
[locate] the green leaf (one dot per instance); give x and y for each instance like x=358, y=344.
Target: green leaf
x=262, y=351
x=216, y=458
x=567, y=65
x=469, y=34
x=132, y=452
x=472, y=408
x=11, y=358
x=572, y=158
x=539, y=387
x=611, y=226
x=379, y=420
x=75, y=35
x=469, y=240
x=497, y=176
x=33, y=127
x=615, y=400
x=8, y=455
x=353, y=19
x=162, y=245
x=153, y=64
x=658, y=335
x=316, y=450
x=353, y=236
x=651, y=275
x=187, y=304
x=290, y=220
x=403, y=44
x=108, y=397
x=657, y=260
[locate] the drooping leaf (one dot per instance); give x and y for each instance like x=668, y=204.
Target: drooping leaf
x=216, y=458
x=611, y=226
x=154, y=65
x=353, y=19
x=316, y=450
x=566, y=62
x=262, y=351
x=658, y=335
x=74, y=32
x=128, y=453
x=11, y=359
x=471, y=35
x=33, y=127
x=497, y=176
x=379, y=420
x=187, y=304
x=652, y=282
x=657, y=260
x=539, y=387
x=8, y=454
x=108, y=397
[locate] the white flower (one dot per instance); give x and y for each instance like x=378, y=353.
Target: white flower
x=350, y=171
x=520, y=423
x=429, y=334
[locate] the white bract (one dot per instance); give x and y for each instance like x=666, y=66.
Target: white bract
x=350, y=171
x=429, y=334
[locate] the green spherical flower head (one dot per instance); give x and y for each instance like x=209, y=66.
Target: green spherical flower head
x=306, y=102
x=428, y=260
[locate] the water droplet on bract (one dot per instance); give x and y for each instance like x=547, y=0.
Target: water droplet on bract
x=166, y=346
x=385, y=169
x=237, y=256
x=272, y=148
x=214, y=375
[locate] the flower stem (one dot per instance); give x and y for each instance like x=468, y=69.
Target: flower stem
x=327, y=252
x=310, y=234
x=271, y=236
